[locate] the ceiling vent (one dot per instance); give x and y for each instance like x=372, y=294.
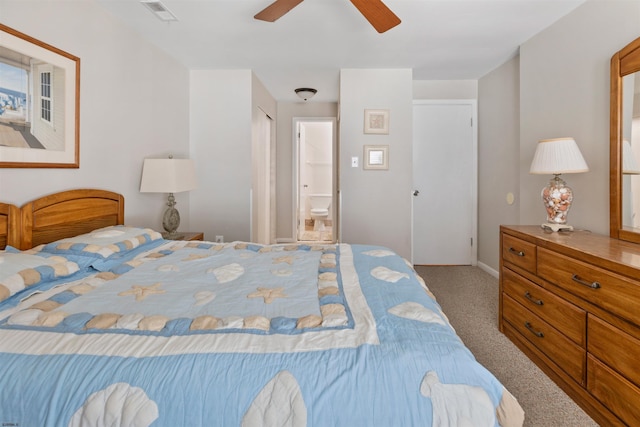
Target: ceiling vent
x=160, y=10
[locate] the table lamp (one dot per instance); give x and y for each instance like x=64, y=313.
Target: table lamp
x=557, y=156
x=168, y=176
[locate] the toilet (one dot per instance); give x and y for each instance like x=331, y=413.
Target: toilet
x=320, y=204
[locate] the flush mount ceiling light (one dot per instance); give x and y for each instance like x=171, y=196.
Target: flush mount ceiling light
x=160, y=10
x=305, y=92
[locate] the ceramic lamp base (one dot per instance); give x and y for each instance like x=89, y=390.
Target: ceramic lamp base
x=171, y=217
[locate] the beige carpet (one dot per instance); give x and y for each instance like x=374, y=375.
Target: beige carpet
x=469, y=297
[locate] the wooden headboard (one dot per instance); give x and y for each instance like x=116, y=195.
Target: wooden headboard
x=9, y=225
x=67, y=214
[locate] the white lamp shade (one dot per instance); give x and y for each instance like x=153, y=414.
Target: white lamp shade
x=629, y=163
x=168, y=176
x=558, y=156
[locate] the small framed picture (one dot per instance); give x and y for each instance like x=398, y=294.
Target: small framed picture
x=376, y=121
x=376, y=157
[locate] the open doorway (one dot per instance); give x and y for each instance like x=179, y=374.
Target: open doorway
x=315, y=183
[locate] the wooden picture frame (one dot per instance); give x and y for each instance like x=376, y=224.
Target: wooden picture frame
x=376, y=121
x=39, y=103
x=376, y=157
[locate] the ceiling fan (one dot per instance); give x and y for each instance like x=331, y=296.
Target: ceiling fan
x=379, y=15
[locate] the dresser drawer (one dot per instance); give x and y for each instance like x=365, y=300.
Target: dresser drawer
x=564, y=352
x=519, y=252
x=615, y=392
x=562, y=315
x=613, y=292
x=614, y=347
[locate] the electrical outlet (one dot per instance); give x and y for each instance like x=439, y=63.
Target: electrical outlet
x=219, y=239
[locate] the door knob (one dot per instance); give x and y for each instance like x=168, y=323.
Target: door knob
x=416, y=192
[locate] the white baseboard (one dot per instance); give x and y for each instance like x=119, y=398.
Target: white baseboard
x=486, y=268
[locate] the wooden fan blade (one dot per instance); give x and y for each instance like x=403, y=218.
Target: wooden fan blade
x=377, y=13
x=276, y=10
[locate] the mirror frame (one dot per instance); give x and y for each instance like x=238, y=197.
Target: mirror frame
x=623, y=62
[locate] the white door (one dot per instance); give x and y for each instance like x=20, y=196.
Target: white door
x=445, y=183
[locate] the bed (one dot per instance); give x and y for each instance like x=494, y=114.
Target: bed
x=117, y=326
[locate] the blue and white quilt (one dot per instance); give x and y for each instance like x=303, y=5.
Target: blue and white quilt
x=240, y=334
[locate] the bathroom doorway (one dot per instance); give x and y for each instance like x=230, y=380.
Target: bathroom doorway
x=315, y=183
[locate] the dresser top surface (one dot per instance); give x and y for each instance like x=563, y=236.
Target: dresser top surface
x=583, y=245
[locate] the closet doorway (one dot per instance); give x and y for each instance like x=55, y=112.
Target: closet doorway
x=315, y=179
x=445, y=182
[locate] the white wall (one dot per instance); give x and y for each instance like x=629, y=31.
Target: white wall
x=564, y=80
x=133, y=104
x=445, y=89
x=224, y=105
x=498, y=157
x=563, y=90
x=376, y=204
x=221, y=123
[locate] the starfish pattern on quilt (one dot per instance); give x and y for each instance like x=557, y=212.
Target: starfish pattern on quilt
x=281, y=259
x=141, y=292
x=269, y=294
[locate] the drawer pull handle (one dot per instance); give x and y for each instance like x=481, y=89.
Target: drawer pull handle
x=592, y=285
x=528, y=296
x=533, y=331
x=518, y=253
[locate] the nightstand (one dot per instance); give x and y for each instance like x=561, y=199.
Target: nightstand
x=184, y=235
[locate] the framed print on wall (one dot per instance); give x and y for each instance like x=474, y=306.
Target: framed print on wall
x=376, y=157
x=39, y=103
x=376, y=121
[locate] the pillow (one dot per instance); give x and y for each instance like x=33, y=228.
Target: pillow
x=98, y=248
x=20, y=270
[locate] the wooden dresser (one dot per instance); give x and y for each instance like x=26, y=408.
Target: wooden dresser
x=571, y=302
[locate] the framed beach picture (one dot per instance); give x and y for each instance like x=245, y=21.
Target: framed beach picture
x=376, y=157
x=39, y=103
x=376, y=121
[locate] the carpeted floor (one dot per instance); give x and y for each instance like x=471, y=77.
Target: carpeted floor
x=469, y=297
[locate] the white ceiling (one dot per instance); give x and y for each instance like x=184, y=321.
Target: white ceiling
x=438, y=39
